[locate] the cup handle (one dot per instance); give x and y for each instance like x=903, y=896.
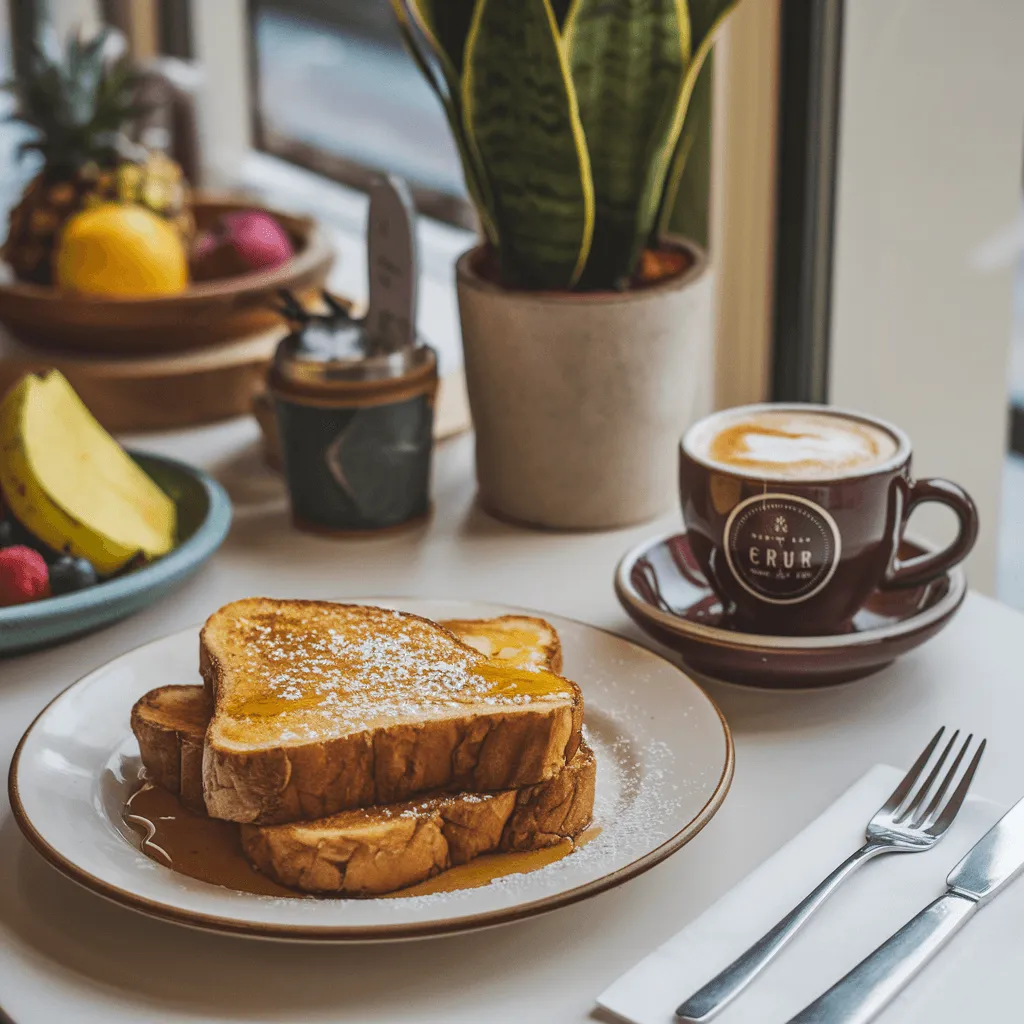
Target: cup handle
x=925, y=568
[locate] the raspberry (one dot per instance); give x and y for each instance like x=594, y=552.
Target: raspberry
x=23, y=576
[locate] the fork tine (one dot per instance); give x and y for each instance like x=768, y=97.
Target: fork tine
x=949, y=812
x=929, y=812
x=914, y=802
x=899, y=794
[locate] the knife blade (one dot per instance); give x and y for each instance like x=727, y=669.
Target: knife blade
x=994, y=861
x=988, y=867
x=391, y=256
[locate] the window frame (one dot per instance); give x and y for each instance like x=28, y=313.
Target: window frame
x=441, y=206
x=232, y=161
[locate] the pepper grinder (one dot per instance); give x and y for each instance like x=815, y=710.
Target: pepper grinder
x=355, y=398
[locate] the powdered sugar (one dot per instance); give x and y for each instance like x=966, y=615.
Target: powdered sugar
x=341, y=668
x=635, y=806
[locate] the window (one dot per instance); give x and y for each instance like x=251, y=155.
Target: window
x=1011, y=539
x=335, y=91
x=1016, y=377
x=5, y=40
x=16, y=171
x=922, y=282
x=7, y=145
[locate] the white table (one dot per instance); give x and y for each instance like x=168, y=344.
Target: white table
x=67, y=955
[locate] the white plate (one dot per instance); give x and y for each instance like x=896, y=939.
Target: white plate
x=664, y=754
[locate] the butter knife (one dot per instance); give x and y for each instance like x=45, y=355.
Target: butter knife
x=392, y=264
x=994, y=862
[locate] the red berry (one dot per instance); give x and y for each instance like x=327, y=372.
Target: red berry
x=23, y=576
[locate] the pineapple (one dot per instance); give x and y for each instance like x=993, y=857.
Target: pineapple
x=83, y=107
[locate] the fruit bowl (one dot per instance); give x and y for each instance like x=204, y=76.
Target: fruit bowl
x=204, y=515
x=206, y=313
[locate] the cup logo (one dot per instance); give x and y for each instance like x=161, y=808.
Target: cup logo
x=781, y=548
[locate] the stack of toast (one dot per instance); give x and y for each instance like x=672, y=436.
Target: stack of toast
x=363, y=750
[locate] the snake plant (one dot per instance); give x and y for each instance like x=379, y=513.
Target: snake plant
x=570, y=121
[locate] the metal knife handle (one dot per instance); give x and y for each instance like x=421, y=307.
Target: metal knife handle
x=729, y=983
x=878, y=979
x=392, y=265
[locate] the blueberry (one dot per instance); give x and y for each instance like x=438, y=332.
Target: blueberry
x=69, y=574
x=20, y=534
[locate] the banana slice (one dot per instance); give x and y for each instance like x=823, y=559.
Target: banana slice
x=72, y=484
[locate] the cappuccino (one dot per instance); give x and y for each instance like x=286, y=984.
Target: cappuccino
x=795, y=513
x=788, y=444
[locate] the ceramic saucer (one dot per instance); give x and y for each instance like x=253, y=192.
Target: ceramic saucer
x=661, y=587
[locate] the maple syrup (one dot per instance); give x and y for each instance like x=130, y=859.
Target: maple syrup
x=193, y=844
x=341, y=668
x=211, y=850
x=487, y=867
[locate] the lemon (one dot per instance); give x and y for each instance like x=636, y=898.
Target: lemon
x=122, y=250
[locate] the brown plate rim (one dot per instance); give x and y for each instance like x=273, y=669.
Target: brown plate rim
x=382, y=933
x=767, y=643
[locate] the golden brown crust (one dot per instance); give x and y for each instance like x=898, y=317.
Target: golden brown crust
x=508, y=636
x=209, y=668
x=473, y=752
x=381, y=849
x=170, y=725
x=482, y=748
x=564, y=806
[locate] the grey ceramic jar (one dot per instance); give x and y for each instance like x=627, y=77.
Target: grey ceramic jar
x=356, y=435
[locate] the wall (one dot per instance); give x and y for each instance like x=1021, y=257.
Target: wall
x=930, y=169
x=743, y=199
x=220, y=39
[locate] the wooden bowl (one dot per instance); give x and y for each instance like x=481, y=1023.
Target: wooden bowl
x=205, y=314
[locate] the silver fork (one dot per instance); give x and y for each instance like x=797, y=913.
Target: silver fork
x=908, y=822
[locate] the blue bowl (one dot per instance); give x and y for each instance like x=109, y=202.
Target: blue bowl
x=204, y=516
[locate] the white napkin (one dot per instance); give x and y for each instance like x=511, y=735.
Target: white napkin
x=975, y=978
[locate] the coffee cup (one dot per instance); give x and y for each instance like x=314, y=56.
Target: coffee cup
x=795, y=513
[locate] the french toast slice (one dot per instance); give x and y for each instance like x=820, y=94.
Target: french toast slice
x=374, y=850
x=380, y=849
x=521, y=640
x=170, y=726
x=377, y=850
x=170, y=722
x=322, y=707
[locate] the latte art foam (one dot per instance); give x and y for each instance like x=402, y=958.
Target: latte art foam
x=784, y=444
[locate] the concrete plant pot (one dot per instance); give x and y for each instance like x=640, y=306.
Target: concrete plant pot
x=579, y=399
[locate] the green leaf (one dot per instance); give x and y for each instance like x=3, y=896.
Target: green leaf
x=522, y=119
x=685, y=201
x=446, y=25
x=561, y=11
x=629, y=60
x=448, y=90
x=706, y=18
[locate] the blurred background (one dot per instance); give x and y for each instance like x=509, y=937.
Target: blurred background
x=857, y=180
